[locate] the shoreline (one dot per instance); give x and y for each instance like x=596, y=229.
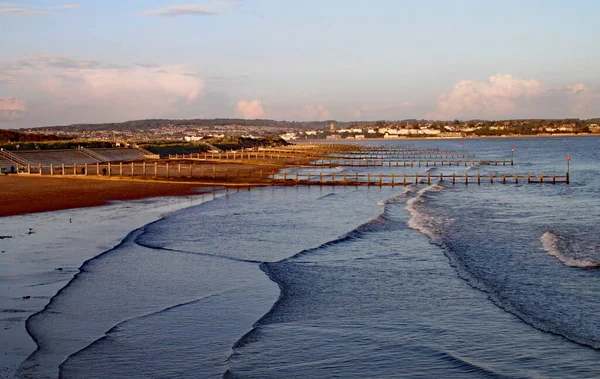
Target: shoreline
x=58, y=243
x=22, y=194
x=343, y=140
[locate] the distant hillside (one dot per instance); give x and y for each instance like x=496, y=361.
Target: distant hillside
x=140, y=125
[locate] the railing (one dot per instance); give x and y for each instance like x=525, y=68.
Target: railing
x=146, y=153
x=93, y=154
x=15, y=158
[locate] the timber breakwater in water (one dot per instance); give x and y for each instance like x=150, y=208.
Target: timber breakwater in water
x=318, y=164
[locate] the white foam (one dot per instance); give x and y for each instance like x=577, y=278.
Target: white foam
x=394, y=199
x=419, y=220
x=556, y=246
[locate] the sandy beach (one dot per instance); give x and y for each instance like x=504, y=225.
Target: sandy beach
x=32, y=194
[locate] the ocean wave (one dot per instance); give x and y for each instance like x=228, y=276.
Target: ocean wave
x=567, y=251
x=428, y=225
x=398, y=197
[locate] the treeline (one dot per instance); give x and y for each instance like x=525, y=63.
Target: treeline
x=14, y=136
x=164, y=148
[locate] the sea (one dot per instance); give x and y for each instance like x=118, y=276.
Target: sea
x=418, y=281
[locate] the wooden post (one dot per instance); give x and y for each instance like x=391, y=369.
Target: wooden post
x=51, y=169
x=120, y=168
x=541, y=178
x=478, y=178
x=179, y=171
x=155, y=169
x=428, y=179
x=109, y=170
x=284, y=176
x=554, y=179
x=86, y=169
x=321, y=178
x=528, y=178
x=369, y=179
x=380, y=179
x=517, y=178
x=167, y=169
x=344, y=178
x=132, y=169
x=441, y=177
x=492, y=178
x=393, y=179
x=40, y=169
x=74, y=169
x=297, y=177
x=144, y=169
x=504, y=179
x=308, y=177
x=404, y=179
x=453, y=178
x=466, y=178
x=63, y=169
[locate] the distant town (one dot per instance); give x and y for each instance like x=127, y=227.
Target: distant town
x=202, y=129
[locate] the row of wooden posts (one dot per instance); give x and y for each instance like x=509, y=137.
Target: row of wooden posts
x=406, y=179
x=408, y=163
x=190, y=171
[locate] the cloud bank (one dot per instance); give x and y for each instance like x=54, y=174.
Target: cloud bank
x=14, y=9
x=249, y=109
x=11, y=108
x=208, y=9
x=71, y=90
x=505, y=96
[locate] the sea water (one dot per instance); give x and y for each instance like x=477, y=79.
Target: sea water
x=440, y=280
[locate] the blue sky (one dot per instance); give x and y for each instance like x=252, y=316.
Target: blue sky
x=103, y=61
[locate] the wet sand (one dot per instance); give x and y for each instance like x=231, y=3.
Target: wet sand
x=32, y=194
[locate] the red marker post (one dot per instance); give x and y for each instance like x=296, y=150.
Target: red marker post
x=568, y=168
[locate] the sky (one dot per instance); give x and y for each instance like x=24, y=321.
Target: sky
x=65, y=62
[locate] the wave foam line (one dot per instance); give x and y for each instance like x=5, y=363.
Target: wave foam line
x=558, y=247
x=137, y=242
x=419, y=220
x=399, y=197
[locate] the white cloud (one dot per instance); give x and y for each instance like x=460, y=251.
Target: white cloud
x=505, y=96
x=206, y=9
x=249, y=109
x=72, y=90
x=13, y=9
x=471, y=99
x=11, y=108
x=181, y=10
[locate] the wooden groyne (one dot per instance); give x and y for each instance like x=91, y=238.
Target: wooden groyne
x=381, y=179
x=409, y=163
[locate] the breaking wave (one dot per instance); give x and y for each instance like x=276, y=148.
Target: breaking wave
x=568, y=251
x=428, y=225
x=399, y=197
